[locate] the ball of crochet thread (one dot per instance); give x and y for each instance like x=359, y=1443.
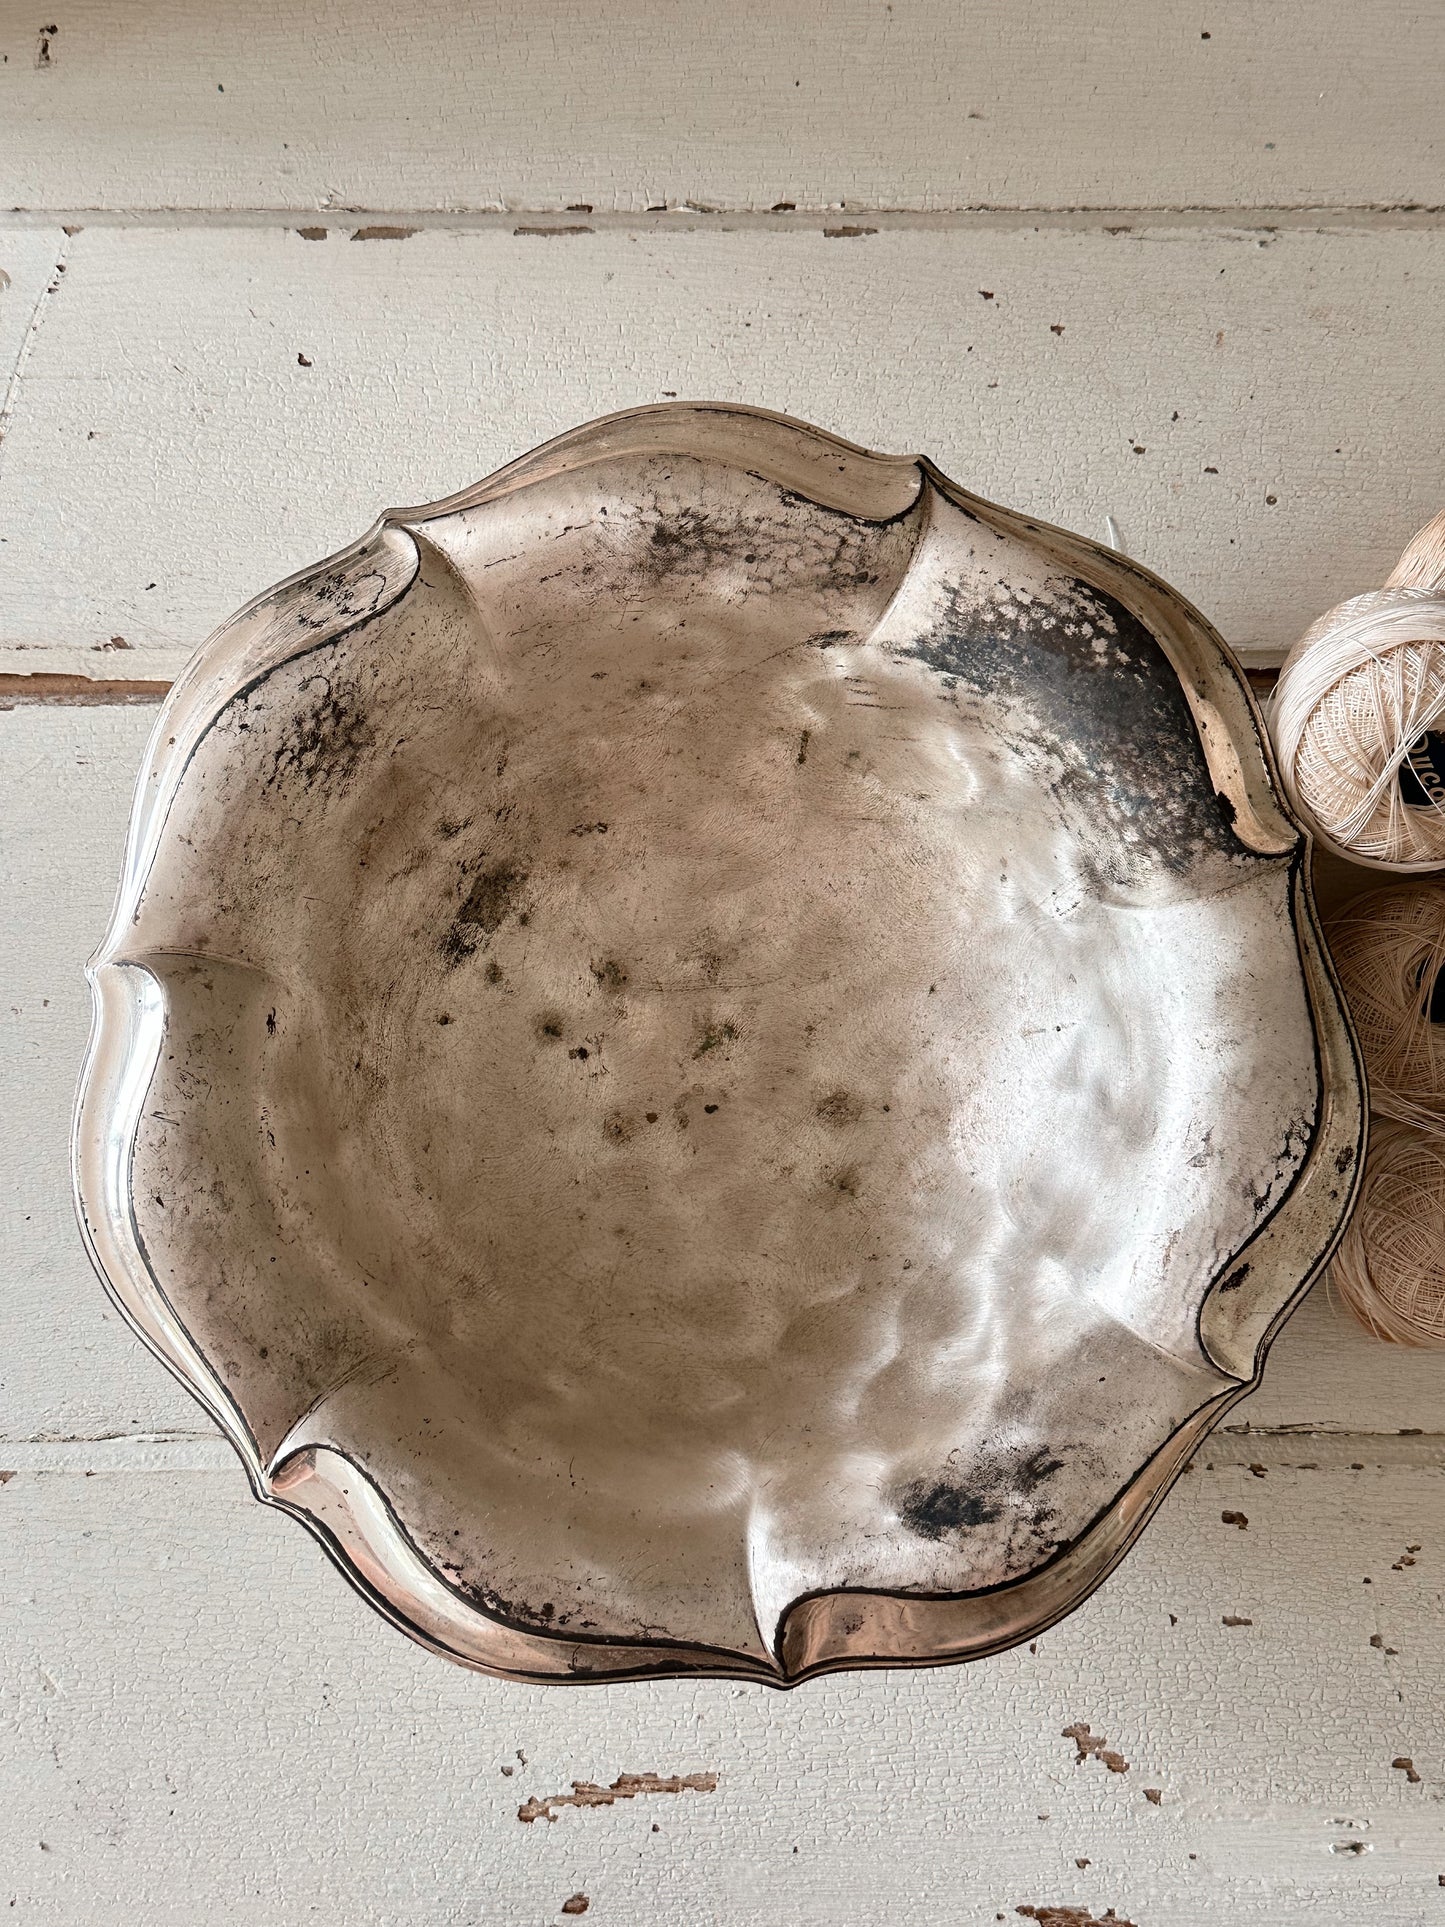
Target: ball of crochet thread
x=1389, y=952
x=1358, y=717
x=1390, y=1267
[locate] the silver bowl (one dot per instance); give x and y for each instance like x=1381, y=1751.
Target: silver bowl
x=714, y=1057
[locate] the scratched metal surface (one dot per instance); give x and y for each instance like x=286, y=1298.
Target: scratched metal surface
x=708, y=1063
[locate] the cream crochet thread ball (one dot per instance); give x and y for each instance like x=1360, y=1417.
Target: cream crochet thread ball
x=1389, y=952
x=1353, y=714
x=1390, y=1267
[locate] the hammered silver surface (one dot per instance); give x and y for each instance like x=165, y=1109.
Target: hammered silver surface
x=715, y=1045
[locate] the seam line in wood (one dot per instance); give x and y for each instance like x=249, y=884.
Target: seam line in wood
x=24, y=691
x=398, y=224
x=1261, y=1454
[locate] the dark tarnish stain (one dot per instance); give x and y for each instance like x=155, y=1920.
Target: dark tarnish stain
x=340, y=594
x=325, y=738
x=514, y=1612
x=716, y=1037
x=1104, y=707
x=686, y=543
x=935, y=1510
x=627, y=1786
x=1235, y=1279
x=999, y=1486
x=491, y=899
x=1038, y=1467
x=1265, y=1192
x=1344, y=1159
x=1047, y=1916
x=839, y=1107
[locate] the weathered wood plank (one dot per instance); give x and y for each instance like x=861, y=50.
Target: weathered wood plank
x=198, y=1710
x=204, y=411
x=69, y=1369
x=920, y=104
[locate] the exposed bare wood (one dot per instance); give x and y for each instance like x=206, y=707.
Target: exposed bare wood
x=41, y=687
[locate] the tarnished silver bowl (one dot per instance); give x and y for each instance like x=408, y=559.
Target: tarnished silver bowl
x=714, y=1056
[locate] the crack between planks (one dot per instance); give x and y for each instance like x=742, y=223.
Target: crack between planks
x=29, y=689
x=1261, y=1452
x=577, y=218
x=24, y=691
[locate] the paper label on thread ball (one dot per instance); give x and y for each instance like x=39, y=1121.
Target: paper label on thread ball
x=1422, y=774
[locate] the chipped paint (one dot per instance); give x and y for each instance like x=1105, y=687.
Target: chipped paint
x=1094, y=1746
x=627, y=1786
x=1064, y=1916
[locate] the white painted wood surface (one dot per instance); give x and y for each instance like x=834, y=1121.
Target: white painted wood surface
x=878, y=103
x=201, y=1724
x=211, y=408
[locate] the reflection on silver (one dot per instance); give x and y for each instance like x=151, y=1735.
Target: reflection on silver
x=714, y=1057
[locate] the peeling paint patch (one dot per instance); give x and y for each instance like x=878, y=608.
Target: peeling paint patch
x=1094, y=1746
x=627, y=1786
x=382, y=233
x=1239, y=1519
x=1236, y=1619
x=576, y=1904
x=1072, y=1917
x=1403, y=1764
